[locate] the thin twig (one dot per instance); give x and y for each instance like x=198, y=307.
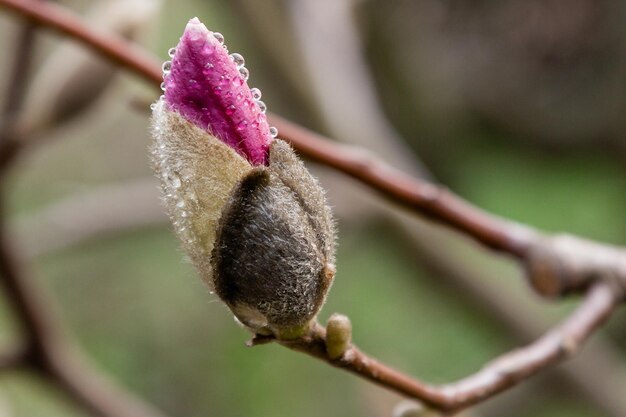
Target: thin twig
x=425, y=198
x=495, y=377
x=112, y=47
x=17, y=78
x=125, y=207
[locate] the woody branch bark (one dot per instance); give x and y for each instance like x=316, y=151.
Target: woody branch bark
x=47, y=350
x=556, y=264
x=498, y=375
x=435, y=202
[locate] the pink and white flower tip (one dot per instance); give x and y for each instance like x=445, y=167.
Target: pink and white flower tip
x=209, y=88
x=252, y=219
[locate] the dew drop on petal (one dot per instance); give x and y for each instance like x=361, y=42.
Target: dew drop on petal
x=245, y=74
x=171, y=52
x=176, y=183
x=219, y=37
x=167, y=67
x=238, y=59
x=153, y=106
x=273, y=131
x=256, y=93
x=163, y=86
x=230, y=110
x=217, y=90
x=262, y=106
x=242, y=125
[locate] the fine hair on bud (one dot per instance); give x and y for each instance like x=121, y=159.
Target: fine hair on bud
x=273, y=260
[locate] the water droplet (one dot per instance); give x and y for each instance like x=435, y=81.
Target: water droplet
x=180, y=204
x=242, y=125
x=273, y=131
x=153, y=106
x=245, y=74
x=208, y=65
x=191, y=196
x=167, y=67
x=163, y=86
x=262, y=106
x=256, y=93
x=219, y=37
x=230, y=110
x=238, y=59
x=171, y=52
x=239, y=97
x=176, y=183
x=217, y=90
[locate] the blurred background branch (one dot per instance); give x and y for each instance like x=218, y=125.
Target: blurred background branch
x=420, y=234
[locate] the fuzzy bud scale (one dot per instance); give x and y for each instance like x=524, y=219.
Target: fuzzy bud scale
x=252, y=219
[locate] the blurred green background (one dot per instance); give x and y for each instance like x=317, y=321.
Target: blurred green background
x=518, y=106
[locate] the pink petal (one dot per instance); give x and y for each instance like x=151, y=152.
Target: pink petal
x=206, y=87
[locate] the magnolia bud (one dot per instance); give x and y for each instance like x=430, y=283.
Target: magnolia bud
x=253, y=220
x=338, y=335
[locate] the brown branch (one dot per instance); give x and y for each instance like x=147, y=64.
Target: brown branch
x=430, y=200
x=17, y=78
x=500, y=374
x=425, y=198
x=112, y=47
x=128, y=206
x=438, y=204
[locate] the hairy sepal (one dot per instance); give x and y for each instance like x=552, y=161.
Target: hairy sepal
x=273, y=261
x=198, y=174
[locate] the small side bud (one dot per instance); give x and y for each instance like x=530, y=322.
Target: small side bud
x=338, y=335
